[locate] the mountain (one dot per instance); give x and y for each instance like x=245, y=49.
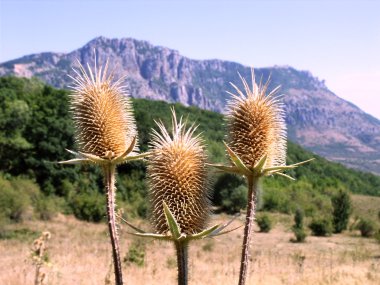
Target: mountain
x=317, y=118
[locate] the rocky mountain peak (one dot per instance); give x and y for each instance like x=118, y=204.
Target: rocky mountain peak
x=316, y=117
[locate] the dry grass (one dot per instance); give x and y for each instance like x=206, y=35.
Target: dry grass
x=80, y=254
x=366, y=206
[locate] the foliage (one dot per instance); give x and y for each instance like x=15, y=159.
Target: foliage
x=136, y=253
x=264, y=222
x=321, y=226
x=377, y=236
x=300, y=234
x=298, y=227
x=23, y=234
x=36, y=128
x=230, y=193
x=342, y=209
x=298, y=218
x=89, y=206
x=21, y=199
x=366, y=227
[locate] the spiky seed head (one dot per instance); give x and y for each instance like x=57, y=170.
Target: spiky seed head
x=177, y=176
x=256, y=125
x=105, y=126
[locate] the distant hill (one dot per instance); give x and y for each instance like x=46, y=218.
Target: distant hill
x=317, y=119
x=36, y=128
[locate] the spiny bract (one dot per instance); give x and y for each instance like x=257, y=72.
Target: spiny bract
x=105, y=125
x=256, y=125
x=177, y=176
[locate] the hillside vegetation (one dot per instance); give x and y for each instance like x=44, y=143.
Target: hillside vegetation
x=36, y=128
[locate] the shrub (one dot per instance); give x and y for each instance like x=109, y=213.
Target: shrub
x=298, y=219
x=276, y=199
x=264, y=222
x=342, y=209
x=15, y=205
x=230, y=193
x=321, y=226
x=45, y=207
x=136, y=254
x=300, y=235
x=89, y=206
x=298, y=228
x=366, y=227
x=377, y=236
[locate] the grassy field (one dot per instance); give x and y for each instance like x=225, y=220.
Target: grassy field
x=367, y=207
x=79, y=253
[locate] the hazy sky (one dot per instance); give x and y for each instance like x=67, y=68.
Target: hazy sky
x=338, y=41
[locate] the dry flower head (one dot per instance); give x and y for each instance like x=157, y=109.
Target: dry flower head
x=256, y=125
x=178, y=177
x=105, y=126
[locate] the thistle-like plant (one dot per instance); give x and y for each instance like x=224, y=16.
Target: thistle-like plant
x=256, y=146
x=105, y=134
x=179, y=190
x=40, y=258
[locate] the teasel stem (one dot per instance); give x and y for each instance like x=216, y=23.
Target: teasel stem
x=253, y=182
x=109, y=177
x=182, y=262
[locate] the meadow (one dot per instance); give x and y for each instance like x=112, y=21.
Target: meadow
x=79, y=253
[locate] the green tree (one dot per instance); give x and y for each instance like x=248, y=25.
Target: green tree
x=264, y=222
x=229, y=193
x=298, y=228
x=321, y=226
x=342, y=209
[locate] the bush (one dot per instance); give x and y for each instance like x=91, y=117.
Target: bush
x=45, y=208
x=230, y=193
x=136, y=254
x=298, y=219
x=300, y=235
x=342, y=209
x=377, y=236
x=16, y=199
x=276, y=199
x=321, y=226
x=366, y=227
x=89, y=206
x=298, y=228
x=264, y=222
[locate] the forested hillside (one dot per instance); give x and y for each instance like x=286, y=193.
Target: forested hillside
x=36, y=128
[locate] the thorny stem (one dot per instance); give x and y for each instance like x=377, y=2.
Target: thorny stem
x=109, y=178
x=182, y=257
x=248, y=230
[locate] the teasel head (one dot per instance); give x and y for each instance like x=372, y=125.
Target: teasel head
x=256, y=125
x=103, y=117
x=178, y=177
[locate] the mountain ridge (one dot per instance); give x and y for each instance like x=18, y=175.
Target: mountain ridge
x=316, y=118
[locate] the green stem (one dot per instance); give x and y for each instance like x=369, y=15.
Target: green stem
x=248, y=230
x=182, y=258
x=109, y=177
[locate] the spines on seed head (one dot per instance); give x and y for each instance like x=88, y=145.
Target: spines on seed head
x=178, y=177
x=105, y=126
x=256, y=125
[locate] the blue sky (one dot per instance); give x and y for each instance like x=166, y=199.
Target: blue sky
x=338, y=41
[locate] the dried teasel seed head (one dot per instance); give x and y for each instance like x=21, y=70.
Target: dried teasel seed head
x=177, y=176
x=256, y=125
x=105, y=126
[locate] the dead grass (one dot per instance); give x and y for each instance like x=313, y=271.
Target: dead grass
x=80, y=254
x=366, y=206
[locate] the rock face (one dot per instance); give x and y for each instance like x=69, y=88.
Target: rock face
x=317, y=119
